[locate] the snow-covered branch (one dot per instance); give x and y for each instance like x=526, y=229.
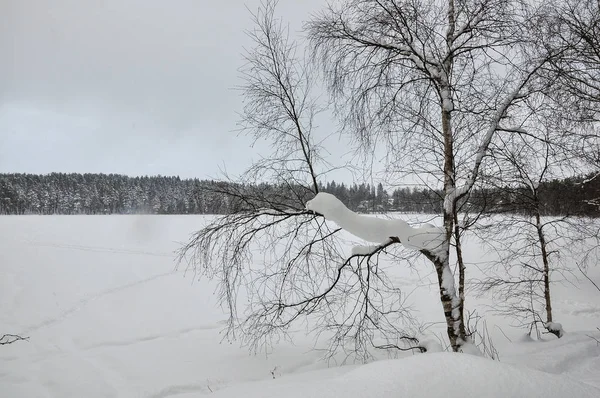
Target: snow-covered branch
x=493, y=127
x=590, y=179
x=376, y=230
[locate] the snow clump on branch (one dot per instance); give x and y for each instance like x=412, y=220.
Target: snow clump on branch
x=376, y=230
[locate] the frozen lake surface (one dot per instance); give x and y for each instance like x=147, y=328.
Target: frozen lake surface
x=107, y=316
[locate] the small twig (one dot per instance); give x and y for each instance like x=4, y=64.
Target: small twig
x=594, y=338
x=587, y=277
x=502, y=331
x=11, y=338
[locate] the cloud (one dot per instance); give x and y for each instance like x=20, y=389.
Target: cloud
x=149, y=79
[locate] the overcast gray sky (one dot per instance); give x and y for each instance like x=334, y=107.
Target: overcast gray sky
x=126, y=86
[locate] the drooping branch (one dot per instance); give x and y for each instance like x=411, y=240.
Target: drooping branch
x=288, y=265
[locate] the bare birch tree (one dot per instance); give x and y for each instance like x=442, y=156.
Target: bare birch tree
x=436, y=81
x=278, y=264
x=526, y=243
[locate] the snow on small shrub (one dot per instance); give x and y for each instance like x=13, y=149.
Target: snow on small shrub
x=555, y=328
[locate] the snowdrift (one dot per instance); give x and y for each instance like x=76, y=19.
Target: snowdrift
x=445, y=374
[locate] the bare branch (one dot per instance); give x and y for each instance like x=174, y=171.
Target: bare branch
x=11, y=338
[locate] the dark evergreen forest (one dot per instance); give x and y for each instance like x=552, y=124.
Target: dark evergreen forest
x=61, y=193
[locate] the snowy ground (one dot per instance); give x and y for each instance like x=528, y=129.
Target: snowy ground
x=106, y=316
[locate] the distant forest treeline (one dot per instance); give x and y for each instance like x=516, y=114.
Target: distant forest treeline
x=61, y=193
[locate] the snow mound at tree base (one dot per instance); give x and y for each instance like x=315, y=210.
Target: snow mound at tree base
x=445, y=374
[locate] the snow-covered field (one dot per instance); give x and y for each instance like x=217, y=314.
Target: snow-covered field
x=107, y=316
